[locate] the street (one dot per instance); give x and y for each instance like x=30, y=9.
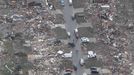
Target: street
x=70, y=26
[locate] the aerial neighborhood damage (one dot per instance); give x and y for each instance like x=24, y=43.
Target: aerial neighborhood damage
x=66, y=37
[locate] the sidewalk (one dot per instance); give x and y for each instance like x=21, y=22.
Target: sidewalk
x=85, y=25
x=78, y=10
x=58, y=11
x=59, y=25
x=79, y=25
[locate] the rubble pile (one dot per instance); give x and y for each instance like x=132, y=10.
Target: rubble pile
x=39, y=28
x=34, y=23
x=111, y=35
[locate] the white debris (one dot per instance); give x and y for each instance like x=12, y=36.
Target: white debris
x=91, y=54
x=32, y=57
x=52, y=60
x=27, y=43
x=85, y=39
x=105, y=6
x=111, y=17
x=114, y=44
x=9, y=69
x=67, y=55
x=82, y=61
x=40, y=40
x=132, y=72
x=17, y=17
x=105, y=71
x=84, y=73
x=51, y=7
x=130, y=25
x=60, y=52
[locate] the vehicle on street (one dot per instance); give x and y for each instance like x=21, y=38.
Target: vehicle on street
x=85, y=40
x=68, y=34
x=82, y=62
x=85, y=73
x=71, y=44
x=73, y=17
x=62, y=2
x=91, y=54
x=70, y=2
x=75, y=68
x=69, y=70
x=94, y=70
x=76, y=33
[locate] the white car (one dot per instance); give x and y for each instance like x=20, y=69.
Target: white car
x=76, y=33
x=91, y=54
x=85, y=40
x=76, y=30
x=82, y=62
x=70, y=2
x=84, y=73
x=68, y=34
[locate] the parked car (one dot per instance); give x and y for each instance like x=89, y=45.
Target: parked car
x=76, y=33
x=69, y=70
x=68, y=34
x=70, y=2
x=75, y=68
x=62, y=2
x=82, y=62
x=73, y=17
x=71, y=44
x=85, y=40
x=85, y=73
x=91, y=54
x=67, y=74
x=94, y=70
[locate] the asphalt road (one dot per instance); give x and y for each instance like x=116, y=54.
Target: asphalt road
x=70, y=26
